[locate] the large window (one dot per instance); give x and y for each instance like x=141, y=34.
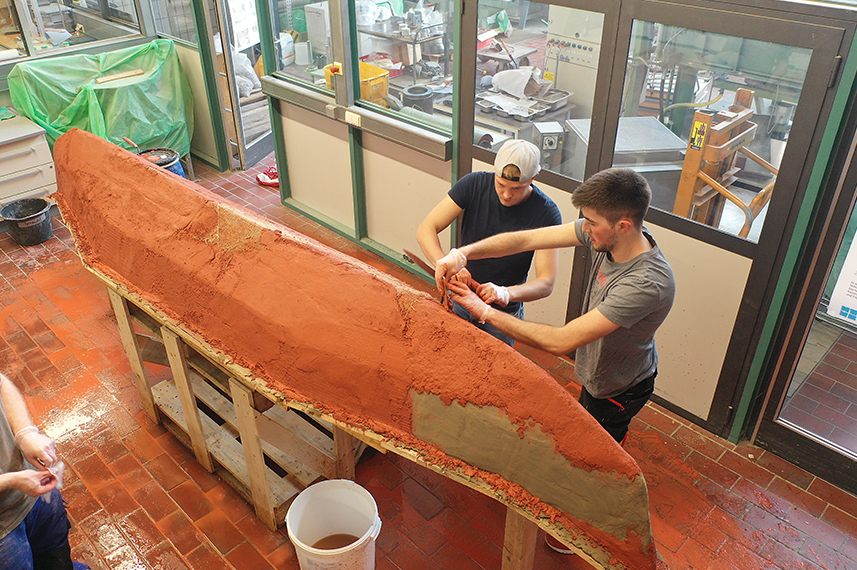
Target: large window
x=174, y=18
x=403, y=54
x=30, y=27
x=535, y=79
x=706, y=118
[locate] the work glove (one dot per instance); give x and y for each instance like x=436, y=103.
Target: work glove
x=491, y=293
x=35, y=483
x=37, y=448
x=463, y=276
x=464, y=296
x=447, y=266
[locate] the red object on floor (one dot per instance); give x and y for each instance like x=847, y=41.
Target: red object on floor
x=269, y=177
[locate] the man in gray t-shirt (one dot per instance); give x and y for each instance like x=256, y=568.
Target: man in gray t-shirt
x=629, y=292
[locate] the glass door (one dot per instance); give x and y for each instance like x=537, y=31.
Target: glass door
x=810, y=415
x=246, y=107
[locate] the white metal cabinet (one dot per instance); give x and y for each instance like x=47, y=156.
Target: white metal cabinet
x=26, y=164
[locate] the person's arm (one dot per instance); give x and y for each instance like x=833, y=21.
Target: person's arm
x=36, y=447
x=32, y=483
x=557, y=340
x=500, y=245
x=510, y=243
x=437, y=220
x=545, y=262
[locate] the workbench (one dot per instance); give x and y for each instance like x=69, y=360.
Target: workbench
x=235, y=425
x=519, y=55
x=417, y=35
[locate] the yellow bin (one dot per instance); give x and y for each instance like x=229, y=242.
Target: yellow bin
x=373, y=82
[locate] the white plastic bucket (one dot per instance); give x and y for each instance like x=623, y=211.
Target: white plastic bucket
x=337, y=506
x=303, y=53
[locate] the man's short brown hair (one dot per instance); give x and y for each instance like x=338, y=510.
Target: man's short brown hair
x=615, y=193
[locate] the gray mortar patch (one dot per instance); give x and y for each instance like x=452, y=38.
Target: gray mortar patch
x=486, y=438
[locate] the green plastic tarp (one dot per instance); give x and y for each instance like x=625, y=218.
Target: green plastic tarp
x=154, y=110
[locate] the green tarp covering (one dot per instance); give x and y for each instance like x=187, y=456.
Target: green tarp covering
x=155, y=109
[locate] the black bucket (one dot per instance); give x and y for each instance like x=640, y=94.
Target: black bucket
x=169, y=159
x=420, y=97
x=29, y=220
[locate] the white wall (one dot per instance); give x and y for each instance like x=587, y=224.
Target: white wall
x=203, y=143
x=402, y=187
x=319, y=162
x=692, y=342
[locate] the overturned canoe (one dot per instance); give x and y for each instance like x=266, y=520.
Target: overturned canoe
x=319, y=327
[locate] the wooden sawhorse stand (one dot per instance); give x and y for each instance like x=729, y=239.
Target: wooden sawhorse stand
x=272, y=430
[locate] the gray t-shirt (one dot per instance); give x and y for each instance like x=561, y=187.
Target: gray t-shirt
x=14, y=505
x=636, y=295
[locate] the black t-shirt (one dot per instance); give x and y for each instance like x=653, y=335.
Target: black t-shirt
x=484, y=216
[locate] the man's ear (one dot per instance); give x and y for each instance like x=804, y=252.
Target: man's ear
x=625, y=225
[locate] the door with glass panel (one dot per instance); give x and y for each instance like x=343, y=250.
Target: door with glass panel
x=239, y=68
x=536, y=70
x=810, y=411
x=722, y=110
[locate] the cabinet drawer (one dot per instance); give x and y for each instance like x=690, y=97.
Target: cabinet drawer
x=42, y=192
x=24, y=180
x=23, y=154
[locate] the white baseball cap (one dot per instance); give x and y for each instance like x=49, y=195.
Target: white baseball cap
x=523, y=154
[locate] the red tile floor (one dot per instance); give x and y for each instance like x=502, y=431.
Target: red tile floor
x=139, y=500
x=826, y=403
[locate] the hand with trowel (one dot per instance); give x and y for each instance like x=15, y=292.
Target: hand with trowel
x=487, y=204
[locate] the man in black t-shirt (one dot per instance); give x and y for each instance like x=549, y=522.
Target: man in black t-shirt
x=490, y=203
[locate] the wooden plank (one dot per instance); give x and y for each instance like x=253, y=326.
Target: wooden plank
x=129, y=342
x=222, y=445
x=253, y=455
x=115, y=76
x=278, y=443
x=178, y=363
x=346, y=465
x=152, y=350
x=317, y=448
x=519, y=545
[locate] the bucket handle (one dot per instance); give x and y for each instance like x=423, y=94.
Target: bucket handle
x=376, y=528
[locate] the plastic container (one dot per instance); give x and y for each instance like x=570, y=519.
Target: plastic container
x=29, y=220
x=373, y=82
x=169, y=160
x=331, y=508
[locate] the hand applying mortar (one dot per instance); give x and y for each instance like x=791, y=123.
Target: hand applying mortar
x=467, y=298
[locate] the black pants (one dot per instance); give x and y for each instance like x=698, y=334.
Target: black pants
x=614, y=414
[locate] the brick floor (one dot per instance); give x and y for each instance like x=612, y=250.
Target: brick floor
x=826, y=403
x=138, y=499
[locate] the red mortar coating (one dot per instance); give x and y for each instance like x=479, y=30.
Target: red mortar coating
x=316, y=325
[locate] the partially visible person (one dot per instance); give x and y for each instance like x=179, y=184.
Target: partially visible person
x=491, y=203
x=33, y=521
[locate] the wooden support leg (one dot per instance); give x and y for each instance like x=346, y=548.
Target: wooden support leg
x=129, y=341
x=177, y=354
x=346, y=464
x=242, y=397
x=519, y=545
